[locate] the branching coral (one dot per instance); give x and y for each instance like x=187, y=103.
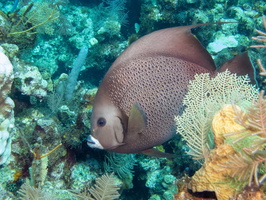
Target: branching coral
x=105, y=187
x=28, y=192
x=246, y=166
x=262, y=35
x=261, y=38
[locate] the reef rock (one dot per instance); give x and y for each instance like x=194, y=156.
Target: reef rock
x=29, y=80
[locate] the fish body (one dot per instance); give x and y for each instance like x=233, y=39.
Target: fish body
x=143, y=90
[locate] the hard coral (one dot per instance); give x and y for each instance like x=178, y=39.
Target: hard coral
x=29, y=80
x=6, y=107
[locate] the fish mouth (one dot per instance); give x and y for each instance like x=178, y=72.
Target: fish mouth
x=94, y=143
x=90, y=142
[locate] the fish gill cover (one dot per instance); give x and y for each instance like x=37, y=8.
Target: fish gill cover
x=49, y=155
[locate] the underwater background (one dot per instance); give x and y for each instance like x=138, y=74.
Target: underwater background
x=45, y=118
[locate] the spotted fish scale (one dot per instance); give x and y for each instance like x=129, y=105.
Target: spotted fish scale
x=158, y=86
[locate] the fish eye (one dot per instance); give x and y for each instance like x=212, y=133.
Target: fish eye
x=101, y=122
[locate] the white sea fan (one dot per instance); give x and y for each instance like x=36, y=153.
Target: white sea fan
x=205, y=97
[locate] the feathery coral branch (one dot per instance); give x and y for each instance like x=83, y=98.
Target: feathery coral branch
x=262, y=35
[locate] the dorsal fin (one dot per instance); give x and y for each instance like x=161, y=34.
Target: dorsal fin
x=158, y=154
x=175, y=42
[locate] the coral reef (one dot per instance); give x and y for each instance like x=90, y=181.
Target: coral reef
x=261, y=38
x=122, y=165
x=158, y=179
x=205, y=97
x=233, y=163
x=29, y=81
x=20, y=27
x=213, y=170
x=49, y=155
x=82, y=174
x=236, y=164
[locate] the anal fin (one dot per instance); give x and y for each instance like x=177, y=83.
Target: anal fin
x=158, y=154
x=240, y=65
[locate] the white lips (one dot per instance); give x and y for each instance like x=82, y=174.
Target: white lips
x=95, y=143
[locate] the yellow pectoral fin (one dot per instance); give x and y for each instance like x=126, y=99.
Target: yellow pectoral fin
x=137, y=120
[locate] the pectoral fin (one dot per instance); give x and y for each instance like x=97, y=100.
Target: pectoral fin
x=137, y=120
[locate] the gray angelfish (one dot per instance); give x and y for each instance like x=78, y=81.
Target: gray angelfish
x=143, y=90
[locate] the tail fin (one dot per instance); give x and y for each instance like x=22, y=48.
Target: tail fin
x=241, y=65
